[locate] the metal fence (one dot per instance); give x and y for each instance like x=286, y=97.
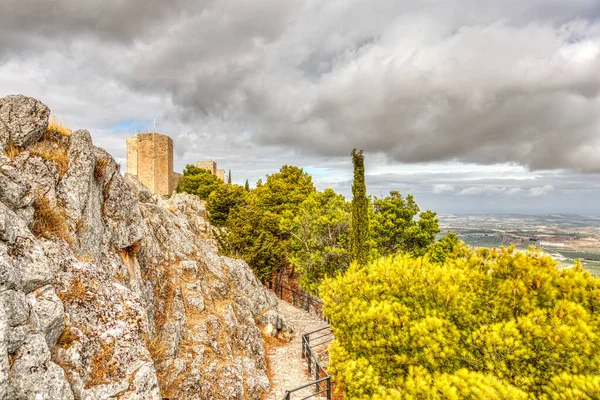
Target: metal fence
x=314, y=350
x=314, y=344
x=298, y=297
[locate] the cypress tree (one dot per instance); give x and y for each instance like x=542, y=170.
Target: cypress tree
x=247, y=186
x=359, y=229
x=229, y=177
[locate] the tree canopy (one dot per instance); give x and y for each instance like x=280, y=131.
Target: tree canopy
x=284, y=190
x=319, y=241
x=224, y=199
x=481, y=324
x=198, y=181
x=395, y=227
x=253, y=219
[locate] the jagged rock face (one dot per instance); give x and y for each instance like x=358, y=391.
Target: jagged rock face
x=119, y=295
x=207, y=309
x=23, y=120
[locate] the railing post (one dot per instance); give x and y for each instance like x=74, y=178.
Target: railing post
x=316, y=376
x=287, y=395
x=303, y=346
x=328, y=387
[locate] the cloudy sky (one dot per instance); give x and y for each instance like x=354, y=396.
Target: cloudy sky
x=474, y=106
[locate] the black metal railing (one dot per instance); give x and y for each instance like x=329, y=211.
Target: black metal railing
x=314, y=350
x=298, y=298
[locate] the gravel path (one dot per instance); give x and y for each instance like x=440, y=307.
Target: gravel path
x=287, y=366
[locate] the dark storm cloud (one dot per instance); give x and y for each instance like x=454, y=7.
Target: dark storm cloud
x=468, y=81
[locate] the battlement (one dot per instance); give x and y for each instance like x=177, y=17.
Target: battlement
x=150, y=158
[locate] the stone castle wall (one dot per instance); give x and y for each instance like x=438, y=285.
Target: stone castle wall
x=150, y=158
x=221, y=174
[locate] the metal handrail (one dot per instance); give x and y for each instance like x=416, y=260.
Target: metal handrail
x=306, y=301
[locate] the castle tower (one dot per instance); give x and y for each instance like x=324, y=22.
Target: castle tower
x=211, y=167
x=150, y=158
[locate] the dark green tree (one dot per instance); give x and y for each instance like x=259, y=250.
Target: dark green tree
x=319, y=237
x=247, y=186
x=284, y=190
x=359, y=227
x=254, y=231
x=229, y=177
x=253, y=235
x=395, y=226
x=223, y=200
x=198, y=181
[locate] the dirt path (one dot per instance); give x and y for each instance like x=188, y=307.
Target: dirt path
x=288, y=369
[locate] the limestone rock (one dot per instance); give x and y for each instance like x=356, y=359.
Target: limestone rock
x=144, y=195
x=81, y=197
x=15, y=190
x=23, y=120
x=34, y=375
x=121, y=211
x=4, y=363
x=49, y=313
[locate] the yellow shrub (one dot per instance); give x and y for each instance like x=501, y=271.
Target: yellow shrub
x=483, y=324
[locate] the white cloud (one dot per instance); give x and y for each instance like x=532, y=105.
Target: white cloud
x=540, y=190
x=442, y=188
x=489, y=191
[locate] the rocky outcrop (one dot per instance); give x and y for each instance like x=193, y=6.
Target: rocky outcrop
x=109, y=293
x=23, y=121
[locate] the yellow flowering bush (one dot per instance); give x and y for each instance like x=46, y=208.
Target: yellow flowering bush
x=483, y=324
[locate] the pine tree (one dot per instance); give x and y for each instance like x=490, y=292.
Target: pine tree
x=229, y=177
x=247, y=186
x=359, y=231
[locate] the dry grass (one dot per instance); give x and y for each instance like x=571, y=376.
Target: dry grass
x=103, y=365
x=86, y=258
x=100, y=168
x=77, y=292
x=61, y=129
x=49, y=222
x=52, y=151
x=11, y=150
x=67, y=338
x=157, y=349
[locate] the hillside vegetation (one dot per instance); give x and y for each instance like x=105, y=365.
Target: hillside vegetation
x=285, y=224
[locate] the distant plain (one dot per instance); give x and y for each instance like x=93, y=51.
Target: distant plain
x=565, y=237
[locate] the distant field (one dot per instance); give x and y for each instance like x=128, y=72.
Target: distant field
x=566, y=238
x=590, y=260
